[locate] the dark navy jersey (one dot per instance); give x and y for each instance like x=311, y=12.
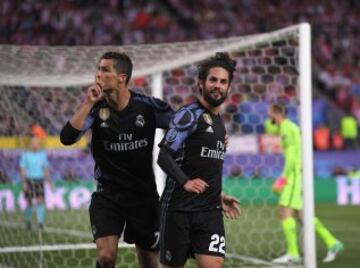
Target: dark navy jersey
x=122, y=144
x=196, y=139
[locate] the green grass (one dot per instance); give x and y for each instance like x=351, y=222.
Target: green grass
x=256, y=234
x=344, y=222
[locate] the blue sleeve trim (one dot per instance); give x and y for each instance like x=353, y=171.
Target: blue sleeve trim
x=181, y=127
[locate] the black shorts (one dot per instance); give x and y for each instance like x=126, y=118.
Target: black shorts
x=184, y=234
x=35, y=188
x=141, y=223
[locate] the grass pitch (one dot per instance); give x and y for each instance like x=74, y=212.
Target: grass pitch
x=67, y=241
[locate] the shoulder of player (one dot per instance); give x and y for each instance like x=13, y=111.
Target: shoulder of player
x=289, y=129
x=293, y=126
x=187, y=116
x=287, y=124
x=24, y=155
x=153, y=102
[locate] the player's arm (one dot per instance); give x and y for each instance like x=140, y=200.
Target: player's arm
x=46, y=170
x=81, y=121
x=290, y=153
x=290, y=159
x=230, y=206
x=23, y=172
x=167, y=162
x=181, y=127
x=23, y=178
x=47, y=174
x=170, y=167
x=47, y=178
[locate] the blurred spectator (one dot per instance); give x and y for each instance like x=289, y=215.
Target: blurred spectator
x=3, y=177
x=236, y=173
x=349, y=131
x=337, y=141
x=38, y=131
x=319, y=110
x=256, y=175
x=338, y=171
x=343, y=98
x=322, y=138
x=69, y=174
x=354, y=173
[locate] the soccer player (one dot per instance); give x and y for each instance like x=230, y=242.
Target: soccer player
x=34, y=169
x=123, y=126
x=289, y=185
x=192, y=154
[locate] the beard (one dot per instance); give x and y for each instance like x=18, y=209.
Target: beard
x=215, y=102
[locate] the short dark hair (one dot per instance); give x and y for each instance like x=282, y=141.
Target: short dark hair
x=279, y=109
x=122, y=63
x=221, y=59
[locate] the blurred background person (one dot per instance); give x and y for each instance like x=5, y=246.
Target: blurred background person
x=34, y=169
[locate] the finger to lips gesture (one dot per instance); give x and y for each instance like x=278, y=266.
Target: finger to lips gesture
x=95, y=92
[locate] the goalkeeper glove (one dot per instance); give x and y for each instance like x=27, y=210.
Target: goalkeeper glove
x=279, y=184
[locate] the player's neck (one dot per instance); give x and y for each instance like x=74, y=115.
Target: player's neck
x=120, y=98
x=212, y=109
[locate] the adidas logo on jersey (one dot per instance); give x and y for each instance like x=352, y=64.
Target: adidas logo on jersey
x=209, y=129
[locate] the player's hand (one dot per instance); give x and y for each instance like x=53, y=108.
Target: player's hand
x=230, y=207
x=195, y=186
x=95, y=92
x=25, y=186
x=279, y=184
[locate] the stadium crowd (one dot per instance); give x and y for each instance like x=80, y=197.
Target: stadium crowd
x=334, y=23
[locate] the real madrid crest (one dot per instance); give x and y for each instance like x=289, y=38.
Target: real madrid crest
x=140, y=121
x=207, y=118
x=104, y=113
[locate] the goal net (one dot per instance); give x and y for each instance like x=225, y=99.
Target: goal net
x=44, y=85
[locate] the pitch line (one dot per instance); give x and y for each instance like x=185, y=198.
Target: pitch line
x=50, y=230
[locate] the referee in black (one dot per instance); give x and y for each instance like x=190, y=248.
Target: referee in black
x=123, y=126
x=192, y=154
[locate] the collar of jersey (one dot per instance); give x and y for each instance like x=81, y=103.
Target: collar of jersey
x=125, y=108
x=206, y=109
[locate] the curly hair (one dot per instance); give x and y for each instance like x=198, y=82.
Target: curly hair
x=221, y=59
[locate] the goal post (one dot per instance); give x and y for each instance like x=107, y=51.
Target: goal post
x=305, y=86
x=45, y=83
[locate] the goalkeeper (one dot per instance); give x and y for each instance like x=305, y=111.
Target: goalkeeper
x=289, y=185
